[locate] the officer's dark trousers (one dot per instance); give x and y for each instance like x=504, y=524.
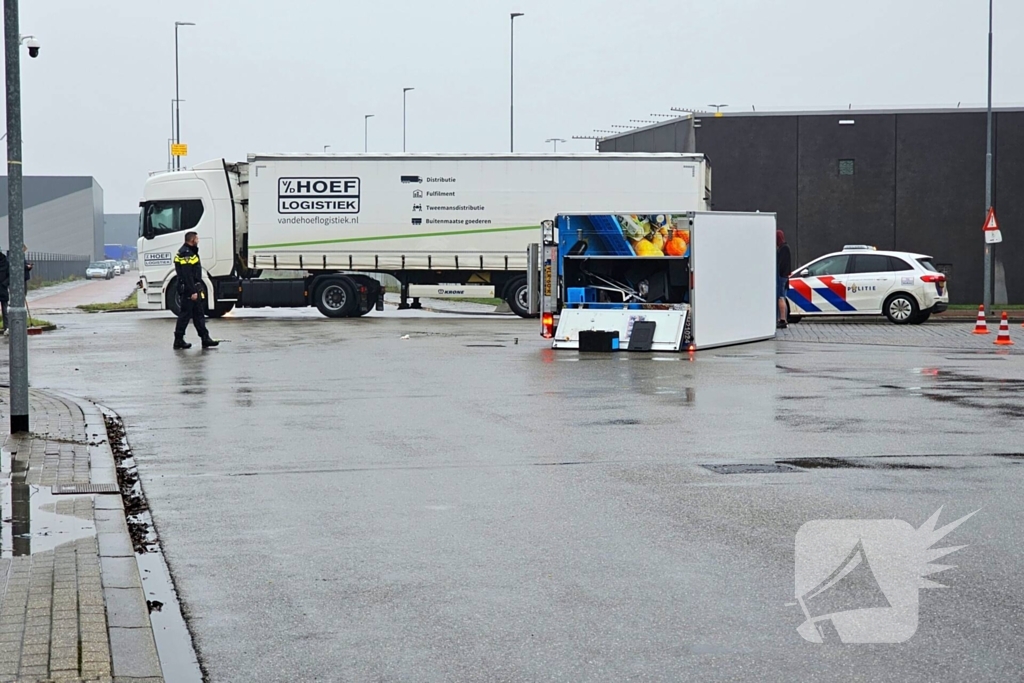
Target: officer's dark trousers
x=191, y=310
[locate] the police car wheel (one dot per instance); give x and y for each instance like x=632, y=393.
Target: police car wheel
x=901, y=309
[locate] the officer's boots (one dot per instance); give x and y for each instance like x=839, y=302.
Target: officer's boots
x=209, y=343
x=180, y=343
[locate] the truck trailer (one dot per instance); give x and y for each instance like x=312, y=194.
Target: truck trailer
x=656, y=282
x=448, y=224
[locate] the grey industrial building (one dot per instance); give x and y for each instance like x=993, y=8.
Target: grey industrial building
x=63, y=216
x=910, y=180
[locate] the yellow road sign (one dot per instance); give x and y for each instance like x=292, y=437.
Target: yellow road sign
x=179, y=150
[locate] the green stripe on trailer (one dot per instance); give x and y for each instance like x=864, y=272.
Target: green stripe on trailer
x=393, y=237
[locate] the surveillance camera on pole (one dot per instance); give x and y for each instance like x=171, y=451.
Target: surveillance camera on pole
x=32, y=44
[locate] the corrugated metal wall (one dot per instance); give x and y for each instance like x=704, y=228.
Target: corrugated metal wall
x=917, y=183
x=63, y=215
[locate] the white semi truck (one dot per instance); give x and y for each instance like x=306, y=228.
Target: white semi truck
x=460, y=224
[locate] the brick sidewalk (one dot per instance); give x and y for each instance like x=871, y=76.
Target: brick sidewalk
x=71, y=599
x=929, y=335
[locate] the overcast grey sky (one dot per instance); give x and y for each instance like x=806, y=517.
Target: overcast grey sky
x=271, y=76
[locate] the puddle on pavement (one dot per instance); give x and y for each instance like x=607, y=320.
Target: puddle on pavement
x=855, y=463
x=876, y=463
x=750, y=468
x=1001, y=395
x=29, y=522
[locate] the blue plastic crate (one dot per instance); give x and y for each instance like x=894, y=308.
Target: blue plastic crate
x=580, y=295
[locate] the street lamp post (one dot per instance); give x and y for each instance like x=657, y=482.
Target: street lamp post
x=326, y=147
x=177, y=95
x=18, y=323
x=170, y=141
x=404, y=91
x=512, y=84
x=987, y=296
x=366, y=132
x=718, y=108
x=555, y=141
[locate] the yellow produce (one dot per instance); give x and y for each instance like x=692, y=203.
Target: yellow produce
x=658, y=241
x=645, y=248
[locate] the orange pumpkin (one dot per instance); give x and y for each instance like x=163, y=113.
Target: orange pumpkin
x=675, y=247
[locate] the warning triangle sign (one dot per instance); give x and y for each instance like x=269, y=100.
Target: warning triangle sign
x=990, y=220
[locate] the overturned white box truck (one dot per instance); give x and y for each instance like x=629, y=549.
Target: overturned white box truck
x=326, y=222
x=656, y=282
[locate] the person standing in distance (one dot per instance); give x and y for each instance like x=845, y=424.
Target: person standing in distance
x=783, y=269
x=190, y=294
x=5, y=282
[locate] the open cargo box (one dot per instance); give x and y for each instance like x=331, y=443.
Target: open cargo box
x=616, y=270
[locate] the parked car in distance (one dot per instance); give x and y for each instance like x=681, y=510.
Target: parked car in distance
x=115, y=266
x=100, y=269
x=860, y=280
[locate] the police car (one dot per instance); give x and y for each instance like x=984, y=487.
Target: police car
x=860, y=280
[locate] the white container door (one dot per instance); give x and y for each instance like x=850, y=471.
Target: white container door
x=733, y=264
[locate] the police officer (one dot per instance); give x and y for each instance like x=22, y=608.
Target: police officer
x=190, y=294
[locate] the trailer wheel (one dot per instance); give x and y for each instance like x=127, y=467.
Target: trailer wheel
x=517, y=295
x=336, y=298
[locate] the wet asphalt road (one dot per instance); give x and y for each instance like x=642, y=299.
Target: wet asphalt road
x=339, y=503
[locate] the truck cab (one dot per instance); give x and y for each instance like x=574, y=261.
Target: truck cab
x=207, y=199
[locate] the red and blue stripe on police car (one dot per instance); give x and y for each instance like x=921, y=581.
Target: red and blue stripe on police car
x=802, y=291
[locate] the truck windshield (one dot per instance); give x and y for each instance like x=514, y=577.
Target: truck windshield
x=165, y=217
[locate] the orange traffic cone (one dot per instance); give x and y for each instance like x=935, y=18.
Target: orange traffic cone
x=981, y=327
x=1004, y=332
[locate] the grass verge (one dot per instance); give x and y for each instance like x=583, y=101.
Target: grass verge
x=129, y=303
x=39, y=284
x=36, y=322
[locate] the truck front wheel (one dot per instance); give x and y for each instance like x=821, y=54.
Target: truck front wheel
x=171, y=299
x=220, y=309
x=517, y=295
x=336, y=298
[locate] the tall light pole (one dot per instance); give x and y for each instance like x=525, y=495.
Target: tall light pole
x=987, y=296
x=326, y=147
x=366, y=132
x=18, y=323
x=171, y=140
x=512, y=84
x=404, y=91
x=555, y=142
x=177, y=95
